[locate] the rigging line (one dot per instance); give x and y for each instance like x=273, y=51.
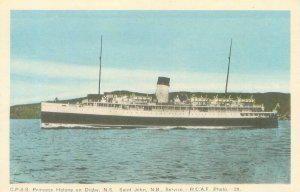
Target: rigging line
x=100, y=67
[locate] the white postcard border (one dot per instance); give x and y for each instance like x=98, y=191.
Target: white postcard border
x=290, y=5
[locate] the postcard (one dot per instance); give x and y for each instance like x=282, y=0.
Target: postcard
x=140, y=96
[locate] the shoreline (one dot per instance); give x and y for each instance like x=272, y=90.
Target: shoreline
x=269, y=99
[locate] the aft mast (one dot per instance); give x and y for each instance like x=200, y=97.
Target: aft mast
x=228, y=67
x=100, y=67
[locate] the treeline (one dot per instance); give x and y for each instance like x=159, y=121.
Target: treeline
x=27, y=111
x=270, y=100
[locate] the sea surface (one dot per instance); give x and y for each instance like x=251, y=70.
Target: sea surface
x=148, y=155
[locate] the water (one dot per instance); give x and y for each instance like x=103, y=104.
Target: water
x=148, y=155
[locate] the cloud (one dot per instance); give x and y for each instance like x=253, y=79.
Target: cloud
x=46, y=80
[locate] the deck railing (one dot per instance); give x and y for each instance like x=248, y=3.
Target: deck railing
x=156, y=107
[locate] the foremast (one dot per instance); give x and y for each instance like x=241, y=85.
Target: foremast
x=228, y=66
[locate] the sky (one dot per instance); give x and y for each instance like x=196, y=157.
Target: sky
x=56, y=53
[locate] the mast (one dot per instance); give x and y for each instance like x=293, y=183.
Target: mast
x=100, y=67
x=228, y=66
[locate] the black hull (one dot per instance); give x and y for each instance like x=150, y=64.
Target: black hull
x=132, y=121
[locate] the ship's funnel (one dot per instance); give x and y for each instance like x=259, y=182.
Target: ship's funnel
x=162, y=89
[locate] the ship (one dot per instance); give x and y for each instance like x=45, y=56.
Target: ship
x=128, y=110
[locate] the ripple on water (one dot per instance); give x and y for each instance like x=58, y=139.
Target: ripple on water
x=175, y=155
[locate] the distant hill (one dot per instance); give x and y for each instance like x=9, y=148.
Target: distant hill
x=26, y=111
x=270, y=99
